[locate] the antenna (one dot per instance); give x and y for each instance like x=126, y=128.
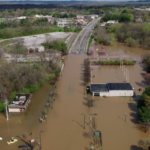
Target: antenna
x=6, y=102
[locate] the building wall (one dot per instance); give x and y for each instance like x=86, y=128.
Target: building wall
x=121, y=93
x=116, y=93
x=14, y=110
x=104, y=94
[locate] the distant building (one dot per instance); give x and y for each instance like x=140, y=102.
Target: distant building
x=21, y=17
x=138, y=19
x=140, y=9
x=20, y=103
x=94, y=16
x=35, y=49
x=113, y=21
x=42, y=17
x=80, y=16
x=111, y=89
x=64, y=23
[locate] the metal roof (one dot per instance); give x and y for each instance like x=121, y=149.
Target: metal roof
x=110, y=86
x=119, y=86
x=98, y=88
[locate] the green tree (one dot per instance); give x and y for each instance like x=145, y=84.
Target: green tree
x=145, y=17
x=2, y=107
x=127, y=18
x=144, y=115
x=130, y=42
x=147, y=102
x=147, y=91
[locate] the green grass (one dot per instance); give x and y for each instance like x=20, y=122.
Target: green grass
x=90, y=41
x=18, y=32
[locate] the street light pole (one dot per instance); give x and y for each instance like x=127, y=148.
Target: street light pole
x=91, y=76
x=124, y=70
x=84, y=119
x=126, y=74
x=40, y=139
x=6, y=102
x=122, y=65
x=125, y=116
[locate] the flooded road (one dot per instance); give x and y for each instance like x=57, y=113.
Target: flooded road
x=64, y=126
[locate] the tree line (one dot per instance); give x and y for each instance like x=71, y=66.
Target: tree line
x=136, y=35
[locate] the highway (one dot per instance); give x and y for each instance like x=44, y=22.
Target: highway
x=81, y=40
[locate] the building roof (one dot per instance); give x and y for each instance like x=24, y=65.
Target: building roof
x=18, y=96
x=110, y=86
x=119, y=86
x=98, y=88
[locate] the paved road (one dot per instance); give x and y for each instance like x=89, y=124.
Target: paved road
x=82, y=38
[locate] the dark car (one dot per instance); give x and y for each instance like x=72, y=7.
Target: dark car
x=23, y=147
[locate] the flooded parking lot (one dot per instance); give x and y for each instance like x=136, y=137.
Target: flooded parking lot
x=64, y=126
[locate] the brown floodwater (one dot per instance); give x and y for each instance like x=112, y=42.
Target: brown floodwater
x=63, y=128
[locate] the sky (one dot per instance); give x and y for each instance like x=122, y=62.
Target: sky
x=67, y=0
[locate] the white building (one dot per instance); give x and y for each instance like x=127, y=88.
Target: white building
x=112, y=89
x=20, y=103
x=42, y=17
x=64, y=23
x=35, y=49
x=113, y=21
x=80, y=16
x=94, y=16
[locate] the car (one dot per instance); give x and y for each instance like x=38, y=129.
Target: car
x=12, y=141
x=23, y=147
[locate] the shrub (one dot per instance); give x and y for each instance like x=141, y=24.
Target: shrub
x=12, y=96
x=2, y=107
x=144, y=115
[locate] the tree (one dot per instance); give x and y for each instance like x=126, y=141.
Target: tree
x=131, y=42
x=147, y=91
x=2, y=107
x=127, y=18
x=147, y=102
x=144, y=115
x=145, y=17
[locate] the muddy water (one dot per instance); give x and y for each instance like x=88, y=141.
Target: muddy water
x=63, y=128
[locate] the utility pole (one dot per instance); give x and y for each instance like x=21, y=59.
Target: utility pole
x=91, y=76
x=126, y=74
x=6, y=102
x=84, y=120
x=122, y=65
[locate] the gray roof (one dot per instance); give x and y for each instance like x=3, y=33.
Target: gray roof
x=119, y=86
x=110, y=86
x=98, y=88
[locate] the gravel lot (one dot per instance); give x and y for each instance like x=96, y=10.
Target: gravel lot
x=40, y=38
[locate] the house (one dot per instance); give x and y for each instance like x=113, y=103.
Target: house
x=138, y=18
x=113, y=21
x=20, y=103
x=111, y=89
x=81, y=21
x=42, y=17
x=35, y=49
x=140, y=9
x=94, y=16
x=64, y=22
x=80, y=16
